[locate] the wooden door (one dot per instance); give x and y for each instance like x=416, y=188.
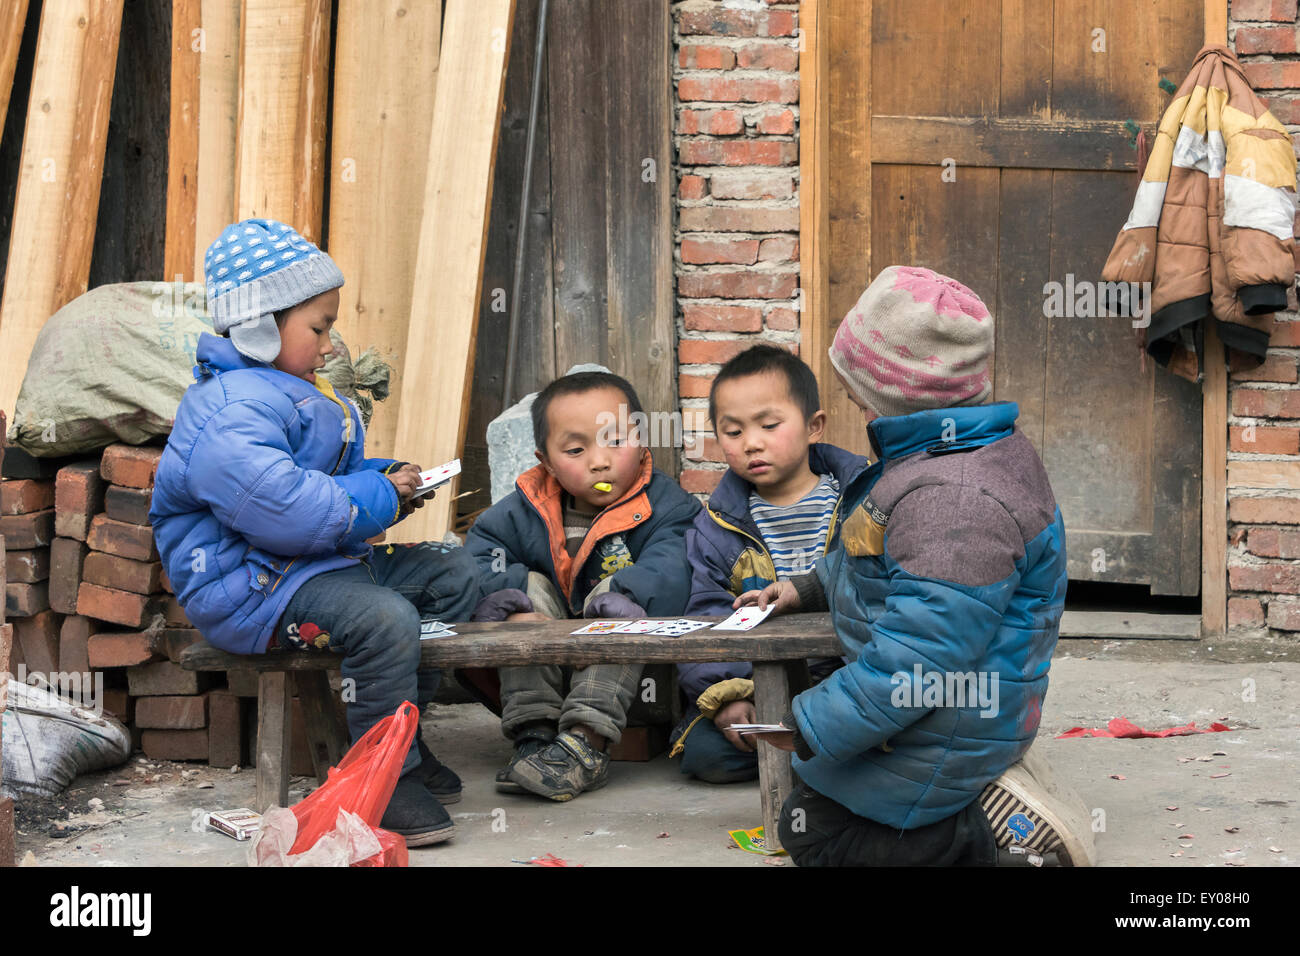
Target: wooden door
x=987, y=139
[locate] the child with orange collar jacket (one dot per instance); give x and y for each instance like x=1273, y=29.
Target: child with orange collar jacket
x=594, y=530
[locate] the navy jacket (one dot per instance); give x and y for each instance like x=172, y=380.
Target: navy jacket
x=728, y=556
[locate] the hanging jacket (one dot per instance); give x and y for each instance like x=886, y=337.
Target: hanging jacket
x=639, y=542
x=950, y=562
x=1212, y=224
x=263, y=484
x=728, y=556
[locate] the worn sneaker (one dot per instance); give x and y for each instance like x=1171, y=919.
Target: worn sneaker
x=1035, y=819
x=563, y=769
x=530, y=739
x=414, y=813
x=437, y=777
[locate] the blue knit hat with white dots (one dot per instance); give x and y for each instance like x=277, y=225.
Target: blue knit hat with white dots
x=256, y=268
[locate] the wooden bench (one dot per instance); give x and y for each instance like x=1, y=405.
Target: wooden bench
x=779, y=649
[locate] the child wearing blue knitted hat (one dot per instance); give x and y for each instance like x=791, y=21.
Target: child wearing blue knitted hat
x=264, y=504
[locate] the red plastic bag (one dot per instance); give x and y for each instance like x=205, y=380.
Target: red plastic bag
x=360, y=786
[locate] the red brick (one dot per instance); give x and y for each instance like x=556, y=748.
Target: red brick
x=173, y=613
x=7, y=650
x=119, y=607
x=751, y=184
x=27, y=567
x=1245, y=612
x=165, y=678
x=739, y=219
x=174, y=744
x=725, y=251
x=694, y=386
x=1264, y=40
x=1285, y=334
x=705, y=56
x=124, y=540
x=737, y=285
x=782, y=319
x=712, y=122
x=121, y=649
x=171, y=642
x=692, y=187
x=78, y=497
x=1276, y=368
x=25, y=531
x=1258, y=403
x=172, y=713
x=722, y=22
x=166, y=582
x=225, y=729
x=1264, y=440
x=701, y=317
x=1275, y=542
x=130, y=465
x=700, y=482
x=779, y=56
x=74, y=643
x=779, y=249
x=703, y=447
x=738, y=152
x=39, y=638
x=776, y=123
x=710, y=352
x=17, y=462
x=67, y=557
x=130, y=505
x=1279, y=11
x=1272, y=510
x=713, y=88
x=24, y=600
x=1284, y=614
x=1278, y=578
x=24, y=495
x=110, y=571
x=1278, y=75
x=118, y=703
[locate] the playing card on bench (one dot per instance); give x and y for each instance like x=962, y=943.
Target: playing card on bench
x=643, y=626
x=743, y=729
x=745, y=618
x=679, y=627
x=597, y=627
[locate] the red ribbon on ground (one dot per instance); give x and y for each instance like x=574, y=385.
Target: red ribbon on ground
x=1124, y=728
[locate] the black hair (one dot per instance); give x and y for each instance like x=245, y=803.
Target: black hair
x=768, y=358
x=575, y=384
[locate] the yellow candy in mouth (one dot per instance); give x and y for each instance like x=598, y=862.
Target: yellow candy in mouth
x=603, y=486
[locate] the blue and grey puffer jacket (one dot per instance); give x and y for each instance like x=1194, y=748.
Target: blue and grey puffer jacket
x=946, y=589
x=263, y=484
x=728, y=556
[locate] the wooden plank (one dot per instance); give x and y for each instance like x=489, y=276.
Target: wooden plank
x=449, y=264
x=13, y=15
x=327, y=737
x=776, y=778
x=924, y=61
x=790, y=637
x=1007, y=141
x=1128, y=626
x=58, y=182
x=183, y=143
x=274, y=725
x=816, y=323
x=283, y=70
x=218, y=123
x=385, y=77
x=1215, y=470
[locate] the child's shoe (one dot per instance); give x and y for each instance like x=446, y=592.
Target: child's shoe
x=1035, y=818
x=564, y=769
x=437, y=777
x=530, y=739
x=414, y=813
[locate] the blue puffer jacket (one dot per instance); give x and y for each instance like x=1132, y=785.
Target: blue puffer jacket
x=946, y=589
x=728, y=556
x=263, y=484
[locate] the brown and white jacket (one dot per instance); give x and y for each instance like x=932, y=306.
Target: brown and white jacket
x=1212, y=224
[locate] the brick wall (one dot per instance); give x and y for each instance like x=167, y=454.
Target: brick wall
x=737, y=242
x=1264, y=404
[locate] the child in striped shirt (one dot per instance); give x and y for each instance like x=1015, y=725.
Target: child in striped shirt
x=770, y=518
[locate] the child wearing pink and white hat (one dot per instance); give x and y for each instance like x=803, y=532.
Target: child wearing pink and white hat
x=946, y=585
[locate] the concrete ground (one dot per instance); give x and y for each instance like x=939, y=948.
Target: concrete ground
x=1205, y=800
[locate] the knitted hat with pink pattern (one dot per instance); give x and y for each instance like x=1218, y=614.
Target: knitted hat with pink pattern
x=915, y=340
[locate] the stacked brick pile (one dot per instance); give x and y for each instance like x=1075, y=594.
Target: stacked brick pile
x=27, y=527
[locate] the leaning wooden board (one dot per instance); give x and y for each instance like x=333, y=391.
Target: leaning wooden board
x=385, y=78
x=439, y=361
x=218, y=125
x=58, y=183
x=13, y=14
